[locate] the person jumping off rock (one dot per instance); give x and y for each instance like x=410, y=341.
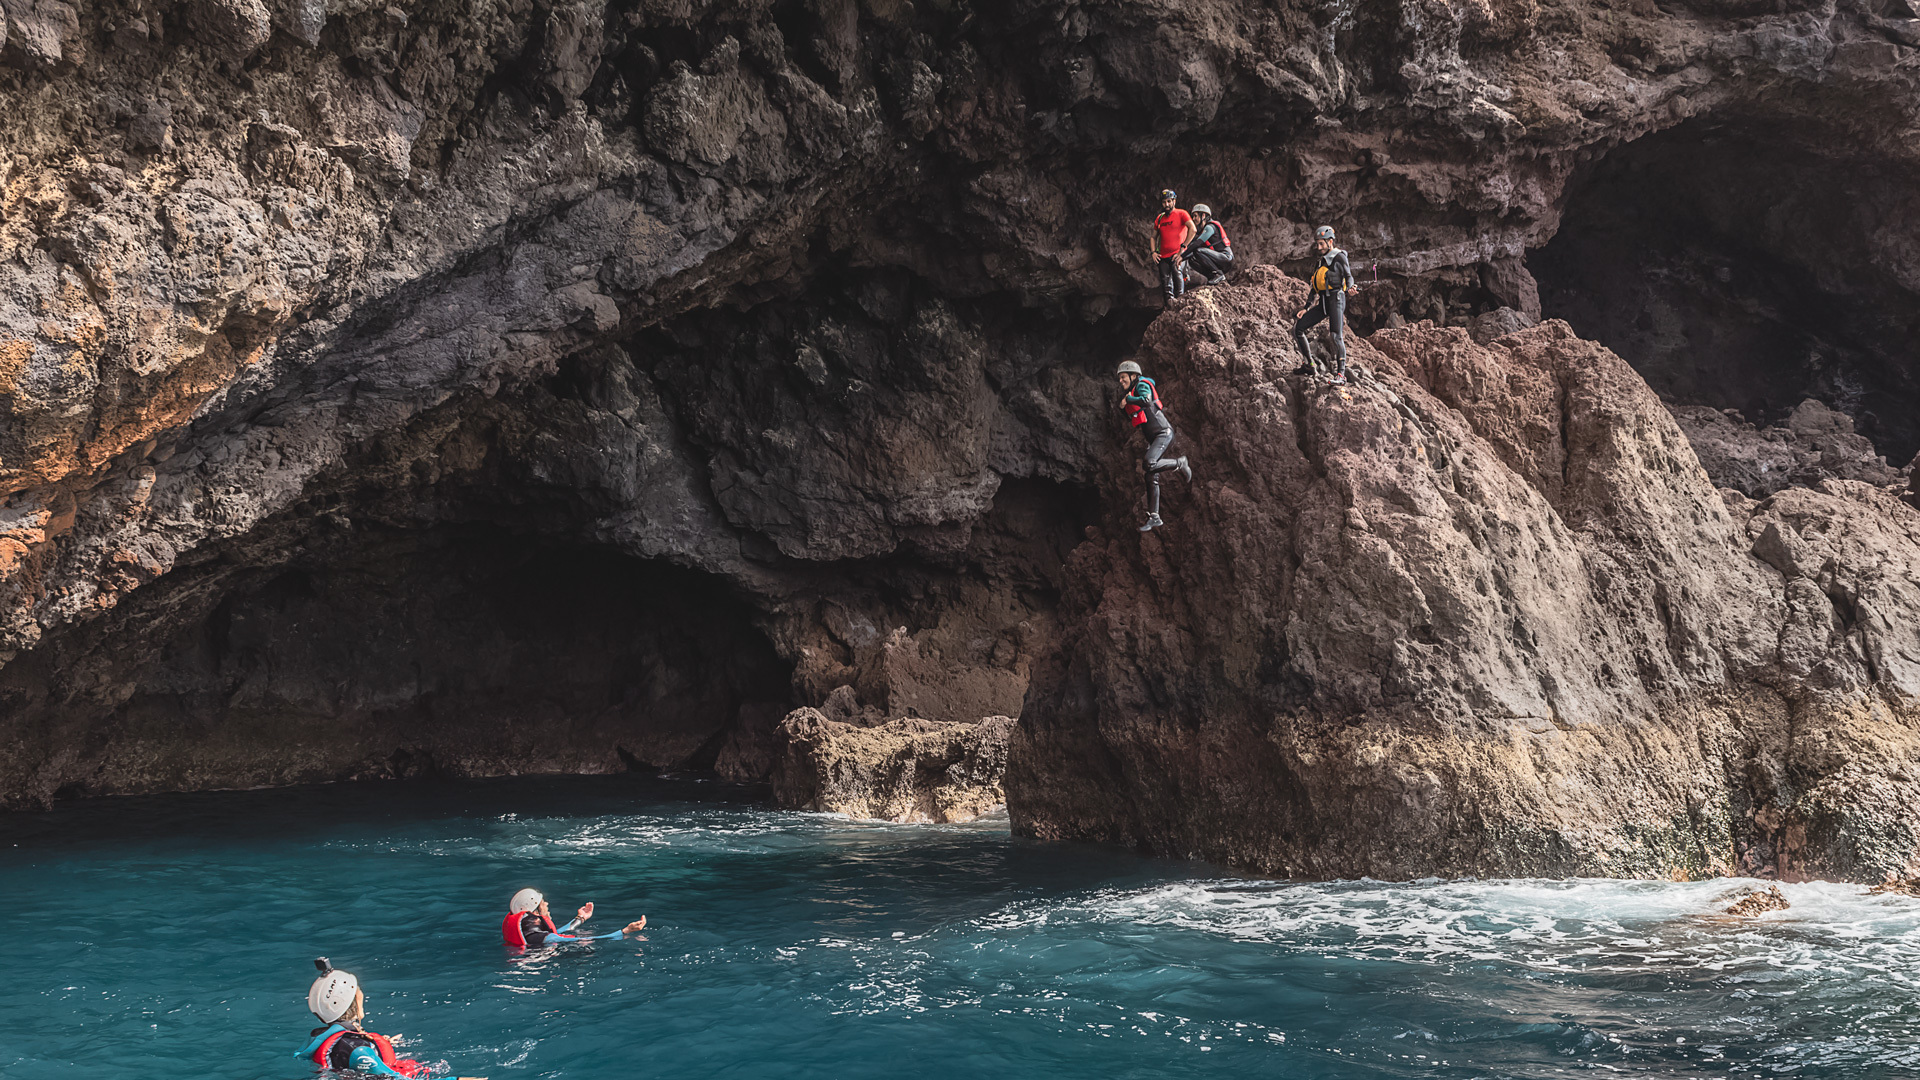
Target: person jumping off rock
x=1172, y=230
x=1210, y=251
x=1141, y=403
x=1332, y=281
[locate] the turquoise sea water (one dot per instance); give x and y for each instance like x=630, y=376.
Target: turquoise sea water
x=172, y=937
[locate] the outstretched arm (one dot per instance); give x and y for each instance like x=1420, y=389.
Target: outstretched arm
x=631, y=928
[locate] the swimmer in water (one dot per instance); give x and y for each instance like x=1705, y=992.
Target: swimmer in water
x=340, y=1042
x=528, y=923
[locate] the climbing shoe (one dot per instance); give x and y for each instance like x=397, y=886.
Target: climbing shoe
x=1186, y=470
x=1217, y=279
x=1153, y=522
x=1339, y=378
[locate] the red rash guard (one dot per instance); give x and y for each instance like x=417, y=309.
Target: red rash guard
x=1173, y=231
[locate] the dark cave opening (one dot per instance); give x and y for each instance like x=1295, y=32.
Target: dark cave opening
x=1734, y=267
x=461, y=650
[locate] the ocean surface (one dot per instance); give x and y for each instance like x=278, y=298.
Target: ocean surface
x=173, y=937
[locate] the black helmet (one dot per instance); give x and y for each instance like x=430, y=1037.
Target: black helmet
x=1167, y=193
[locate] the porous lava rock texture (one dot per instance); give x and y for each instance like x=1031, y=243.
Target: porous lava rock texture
x=904, y=770
x=587, y=384
x=1481, y=611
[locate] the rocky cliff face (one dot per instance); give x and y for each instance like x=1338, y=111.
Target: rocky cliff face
x=1481, y=612
x=584, y=385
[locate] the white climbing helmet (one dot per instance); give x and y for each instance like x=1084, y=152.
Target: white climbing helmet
x=524, y=901
x=1203, y=208
x=332, y=993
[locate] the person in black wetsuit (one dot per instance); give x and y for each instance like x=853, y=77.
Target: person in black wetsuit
x=1332, y=281
x=1210, y=252
x=1141, y=403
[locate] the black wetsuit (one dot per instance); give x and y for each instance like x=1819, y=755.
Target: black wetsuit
x=1140, y=403
x=1330, y=304
x=1210, y=252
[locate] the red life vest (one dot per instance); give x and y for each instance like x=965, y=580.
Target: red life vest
x=1134, y=410
x=1220, y=231
x=381, y=1044
x=510, y=929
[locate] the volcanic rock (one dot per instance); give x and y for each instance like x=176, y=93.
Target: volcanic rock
x=904, y=770
x=1480, y=612
x=580, y=386
x=1815, y=443
x=1759, y=902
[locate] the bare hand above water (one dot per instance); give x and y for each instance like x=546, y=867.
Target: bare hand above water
x=636, y=926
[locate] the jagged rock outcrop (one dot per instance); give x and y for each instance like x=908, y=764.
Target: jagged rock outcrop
x=1759, y=902
x=906, y=770
x=1482, y=612
x=1815, y=443
x=787, y=324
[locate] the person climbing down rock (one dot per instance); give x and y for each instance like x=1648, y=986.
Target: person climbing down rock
x=340, y=1043
x=1172, y=230
x=1210, y=251
x=1141, y=402
x=528, y=923
x=1332, y=281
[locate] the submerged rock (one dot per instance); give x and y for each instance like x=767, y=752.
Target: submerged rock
x=906, y=770
x=1759, y=902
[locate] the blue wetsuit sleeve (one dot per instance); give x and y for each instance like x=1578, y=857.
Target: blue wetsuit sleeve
x=595, y=937
x=569, y=926
x=367, y=1060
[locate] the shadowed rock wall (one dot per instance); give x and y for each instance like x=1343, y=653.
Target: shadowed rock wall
x=814, y=301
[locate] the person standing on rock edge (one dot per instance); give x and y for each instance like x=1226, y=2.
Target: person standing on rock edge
x=1210, y=251
x=1332, y=281
x=1172, y=231
x=1141, y=402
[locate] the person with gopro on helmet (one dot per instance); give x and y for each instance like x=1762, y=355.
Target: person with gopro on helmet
x=529, y=924
x=341, y=1043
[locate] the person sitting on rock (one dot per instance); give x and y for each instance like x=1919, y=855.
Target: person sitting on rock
x=1141, y=403
x=1172, y=230
x=1332, y=281
x=1210, y=251
x=528, y=923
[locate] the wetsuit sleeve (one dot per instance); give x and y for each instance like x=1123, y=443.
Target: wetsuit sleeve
x=596, y=937
x=1346, y=271
x=367, y=1060
x=570, y=925
x=1141, y=394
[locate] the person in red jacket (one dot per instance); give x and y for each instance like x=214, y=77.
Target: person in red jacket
x=1210, y=252
x=530, y=924
x=1172, y=231
x=1140, y=400
x=340, y=1043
